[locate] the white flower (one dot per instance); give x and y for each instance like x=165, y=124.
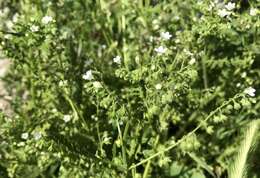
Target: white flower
x=15, y=17
x=37, y=135
x=250, y=91
x=34, y=28
x=88, y=75
x=97, y=84
x=243, y=75
x=166, y=35
x=63, y=83
x=25, y=136
x=223, y=13
x=117, y=59
x=21, y=144
x=47, y=19
x=192, y=61
x=158, y=86
x=230, y=6
x=160, y=50
x=67, y=118
x=238, y=84
x=253, y=12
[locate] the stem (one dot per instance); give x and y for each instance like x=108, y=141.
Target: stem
x=122, y=144
x=204, y=69
x=75, y=111
x=148, y=165
x=187, y=135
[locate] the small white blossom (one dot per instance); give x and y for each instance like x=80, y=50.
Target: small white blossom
x=160, y=50
x=67, y=118
x=37, y=135
x=63, y=83
x=34, y=28
x=21, y=144
x=250, y=91
x=47, y=19
x=15, y=17
x=88, y=75
x=117, y=59
x=97, y=84
x=192, y=61
x=243, y=75
x=253, y=12
x=223, y=13
x=25, y=136
x=158, y=86
x=230, y=6
x=166, y=35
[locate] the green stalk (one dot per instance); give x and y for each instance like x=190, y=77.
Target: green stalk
x=122, y=144
x=204, y=69
x=148, y=165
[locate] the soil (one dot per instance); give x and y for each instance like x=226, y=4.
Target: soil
x=4, y=98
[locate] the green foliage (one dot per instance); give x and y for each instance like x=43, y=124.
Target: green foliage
x=238, y=168
x=100, y=89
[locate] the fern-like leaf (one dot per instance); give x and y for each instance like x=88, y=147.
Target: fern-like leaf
x=238, y=168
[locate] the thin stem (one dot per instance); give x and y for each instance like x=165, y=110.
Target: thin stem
x=205, y=76
x=122, y=144
x=148, y=165
x=187, y=135
x=75, y=111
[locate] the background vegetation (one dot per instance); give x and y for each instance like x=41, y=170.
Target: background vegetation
x=140, y=88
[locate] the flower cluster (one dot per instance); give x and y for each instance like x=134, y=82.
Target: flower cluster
x=88, y=75
x=47, y=19
x=227, y=10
